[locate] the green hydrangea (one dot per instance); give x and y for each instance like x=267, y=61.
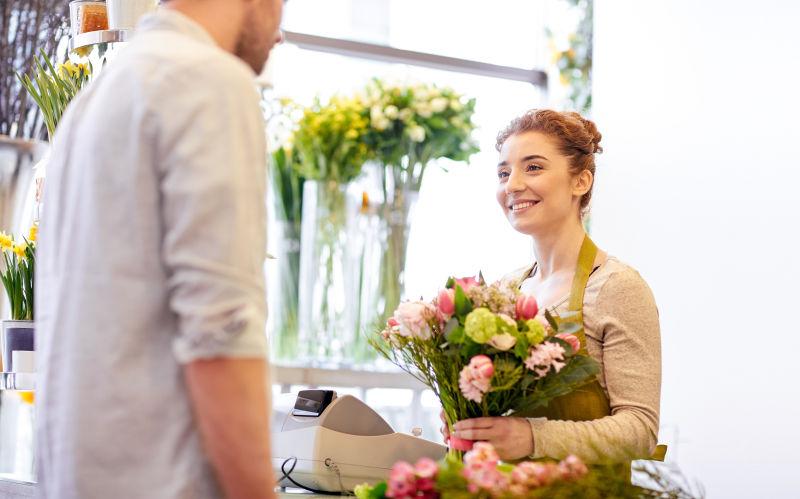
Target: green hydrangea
x=481, y=325
x=536, y=333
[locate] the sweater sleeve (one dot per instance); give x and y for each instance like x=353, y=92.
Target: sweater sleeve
x=627, y=322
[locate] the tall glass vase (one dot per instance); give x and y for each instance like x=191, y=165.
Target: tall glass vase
x=330, y=273
x=400, y=195
x=285, y=302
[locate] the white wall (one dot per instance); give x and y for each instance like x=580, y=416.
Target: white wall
x=698, y=188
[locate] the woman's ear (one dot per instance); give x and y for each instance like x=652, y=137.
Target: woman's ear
x=582, y=183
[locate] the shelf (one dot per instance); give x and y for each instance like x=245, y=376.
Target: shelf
x=97, y=37
x=24, y=382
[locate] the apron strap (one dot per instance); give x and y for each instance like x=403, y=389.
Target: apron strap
x=586, y=258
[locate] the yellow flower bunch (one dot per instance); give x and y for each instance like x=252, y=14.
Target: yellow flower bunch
x=17, y=276
x=74, y=69
x=329, y=139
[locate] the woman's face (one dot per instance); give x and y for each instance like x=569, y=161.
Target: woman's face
x=536, y=189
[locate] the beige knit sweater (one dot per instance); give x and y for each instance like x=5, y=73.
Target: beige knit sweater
x=622, y=334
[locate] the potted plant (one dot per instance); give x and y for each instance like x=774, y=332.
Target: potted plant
x=17, y=274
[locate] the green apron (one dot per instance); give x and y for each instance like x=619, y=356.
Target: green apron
x=590, y=401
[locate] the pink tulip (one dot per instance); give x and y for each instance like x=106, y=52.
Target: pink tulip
x=447, y=301
x=392, y=322
x=467, y=283
x=482, y=366
x=527, y=308
x=573, y=341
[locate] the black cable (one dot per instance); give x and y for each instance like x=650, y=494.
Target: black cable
x=315, y=491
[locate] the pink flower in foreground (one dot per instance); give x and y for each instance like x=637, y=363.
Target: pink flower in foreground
x=480, y=470
x=527, y=308
x=481, y=453
x=573, y=341
x=447, y=302
x=467, y=283
x=402, y=482
x=545, y=356
x=476, y=378
x=572, y=468
x=426, y=468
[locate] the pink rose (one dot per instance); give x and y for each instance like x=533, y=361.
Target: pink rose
x=482, y=366
x=447, y=301
x=413, y=319
x=573, y=341
x=527, y=308
x=467, y=283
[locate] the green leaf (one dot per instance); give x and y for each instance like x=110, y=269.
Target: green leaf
x=456, y=335
x=551, y=320
x=463, y=305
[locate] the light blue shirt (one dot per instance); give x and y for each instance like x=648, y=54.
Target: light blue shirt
x=151, y=252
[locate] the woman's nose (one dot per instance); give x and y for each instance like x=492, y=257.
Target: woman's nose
x=514, y=182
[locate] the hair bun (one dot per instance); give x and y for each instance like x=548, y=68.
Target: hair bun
x=596, y=136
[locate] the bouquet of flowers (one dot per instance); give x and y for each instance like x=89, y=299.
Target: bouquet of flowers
x=18, y=274
x=484, y=352
x=482, y=475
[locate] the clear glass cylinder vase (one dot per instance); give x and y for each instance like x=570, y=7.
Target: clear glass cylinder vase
x=330, y=273
x=284, y=301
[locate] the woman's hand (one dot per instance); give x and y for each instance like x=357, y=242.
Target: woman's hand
x=445, y=431
x=511, y=437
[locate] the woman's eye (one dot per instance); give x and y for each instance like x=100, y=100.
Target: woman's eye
x=502, y=175
x=532, y=168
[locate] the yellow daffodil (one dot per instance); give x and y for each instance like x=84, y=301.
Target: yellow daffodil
x=33, y=233
x=26, y=397
x=6, y=241
x=19, y=249
x=68, y=69
x=351, y=134
x=83, y=68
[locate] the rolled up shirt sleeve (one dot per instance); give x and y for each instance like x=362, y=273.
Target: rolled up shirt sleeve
x=211, y=143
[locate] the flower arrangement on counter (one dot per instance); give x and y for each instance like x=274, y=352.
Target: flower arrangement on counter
x=483, y=351
x=53, y=88
x=483, y=475
x=18, y=275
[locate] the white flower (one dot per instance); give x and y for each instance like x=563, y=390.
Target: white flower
x=455, y=104
x=424, y=109
x=416, y=133
x=381, y=123
x=406, y=115
x=503, y=341
x=391, y=112
x=376, y=113
x=439, y=104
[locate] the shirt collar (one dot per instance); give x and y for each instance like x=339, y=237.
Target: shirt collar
x=172, y=20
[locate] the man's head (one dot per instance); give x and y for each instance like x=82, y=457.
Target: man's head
x=260, y=31
x=246, y=28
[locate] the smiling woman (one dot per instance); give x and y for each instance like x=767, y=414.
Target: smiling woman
x=545, y=177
